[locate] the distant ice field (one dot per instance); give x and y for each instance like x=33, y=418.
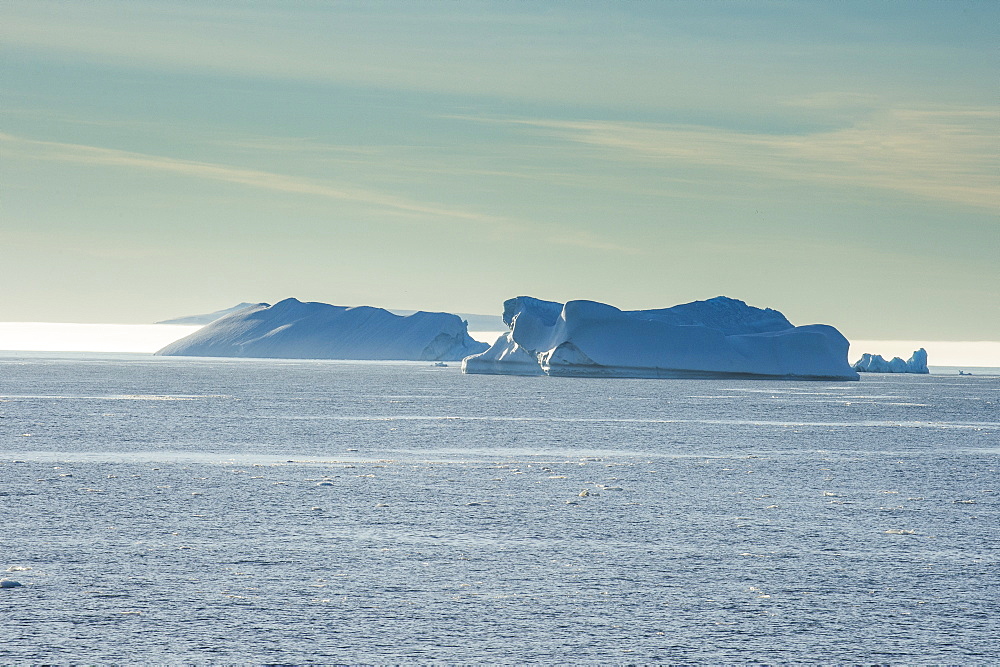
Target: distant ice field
x=148, y=338
x=204, y=510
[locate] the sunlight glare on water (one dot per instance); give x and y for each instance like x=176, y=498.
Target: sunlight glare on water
x=71, y=337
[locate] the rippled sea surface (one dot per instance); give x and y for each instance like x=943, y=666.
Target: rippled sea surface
x=194, y=510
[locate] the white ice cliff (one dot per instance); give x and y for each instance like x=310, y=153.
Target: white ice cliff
x=293, y=329
x=719, y=337
x=869, y=363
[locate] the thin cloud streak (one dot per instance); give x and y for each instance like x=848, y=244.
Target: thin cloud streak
x=947, y=155
x=93, y=155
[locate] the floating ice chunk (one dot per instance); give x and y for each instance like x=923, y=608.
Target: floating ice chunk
x=324, y=483
x=18, y=568
x=9, y=583
x=505, y=357
x=875, y=363
x=900, y=531
x=917, y=363
x=897, y=365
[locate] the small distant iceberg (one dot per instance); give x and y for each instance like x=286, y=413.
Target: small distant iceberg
x=869, y=363
x=719, y=337
x=293, y=329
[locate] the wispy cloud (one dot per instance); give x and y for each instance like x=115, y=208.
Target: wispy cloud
x=948, y=155
x=93, y=155
x=276, y=182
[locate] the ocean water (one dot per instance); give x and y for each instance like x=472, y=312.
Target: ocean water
x=196, y=510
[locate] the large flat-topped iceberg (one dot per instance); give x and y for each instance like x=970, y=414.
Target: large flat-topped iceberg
x=719, y=337
x=292, y=329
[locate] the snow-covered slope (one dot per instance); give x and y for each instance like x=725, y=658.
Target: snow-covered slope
x=210, y=317
x=296, y=330
x=720, y=337
x=869, y=363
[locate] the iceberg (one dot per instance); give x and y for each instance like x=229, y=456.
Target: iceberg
x=875, y=363
x=292, y=329
x=715, y=338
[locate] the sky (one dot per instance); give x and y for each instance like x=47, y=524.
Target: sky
x=837, y=161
